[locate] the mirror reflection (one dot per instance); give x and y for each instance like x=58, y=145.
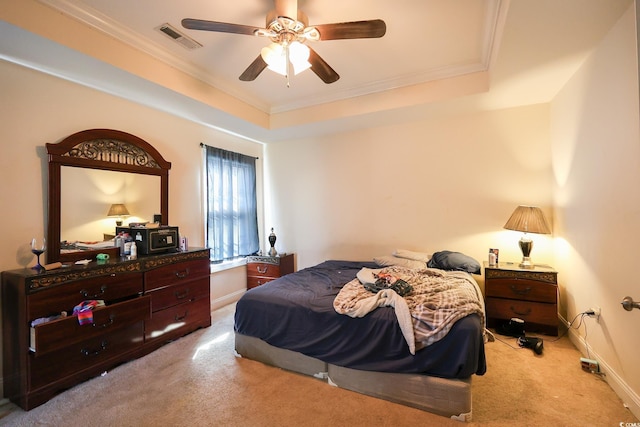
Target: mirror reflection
x=87, y=195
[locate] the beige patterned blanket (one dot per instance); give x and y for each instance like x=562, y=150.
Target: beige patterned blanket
x=439, y=298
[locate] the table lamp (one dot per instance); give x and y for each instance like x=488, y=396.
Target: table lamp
x=118, y=210
x=528, y=219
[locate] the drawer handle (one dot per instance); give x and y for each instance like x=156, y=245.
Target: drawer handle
x=181, y=318
x=518, y=291
x=521, y=313
x=182, y=274
x=182, y=295
x=87, y=352
x=106, y=324
x=85, y=293
x=261, y=271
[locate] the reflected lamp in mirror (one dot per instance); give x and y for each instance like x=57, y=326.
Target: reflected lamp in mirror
x=527, y=219
x=118, y=210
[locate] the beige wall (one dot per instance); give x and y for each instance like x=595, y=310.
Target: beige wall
x=596, y=162
x=43, y=109
x=446, y=184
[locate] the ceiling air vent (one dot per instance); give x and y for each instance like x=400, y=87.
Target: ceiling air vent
x=180, y=38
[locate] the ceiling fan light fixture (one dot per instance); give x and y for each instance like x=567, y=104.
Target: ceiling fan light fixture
x=298, y=52
x=275, y=55
x=275, y=58
x=299, y=57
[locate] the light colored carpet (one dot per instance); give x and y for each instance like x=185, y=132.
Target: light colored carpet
x=198, y=381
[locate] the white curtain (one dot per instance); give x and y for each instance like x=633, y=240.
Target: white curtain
x=232, y=220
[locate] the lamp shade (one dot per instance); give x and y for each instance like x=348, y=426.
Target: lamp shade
x=118, y=209
x=528, y=219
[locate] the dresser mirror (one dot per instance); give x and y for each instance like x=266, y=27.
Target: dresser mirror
x=86, y=197
x=90, y=171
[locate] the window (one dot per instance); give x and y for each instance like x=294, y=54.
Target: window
x=231, y=207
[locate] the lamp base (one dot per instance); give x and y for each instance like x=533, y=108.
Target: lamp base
x=526, y=263
x=526, y=245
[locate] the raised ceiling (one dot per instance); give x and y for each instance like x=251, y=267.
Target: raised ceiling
x=480, y=53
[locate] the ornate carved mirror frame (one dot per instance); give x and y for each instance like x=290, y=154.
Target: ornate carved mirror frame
x=103, y=149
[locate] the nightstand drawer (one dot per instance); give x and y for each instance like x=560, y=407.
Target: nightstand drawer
x=530, y=294
x=530, y=312
x=253, y=282
x=522, y=289
x=263, y=269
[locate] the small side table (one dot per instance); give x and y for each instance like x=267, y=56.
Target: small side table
x=263, y=269
x=530, y=294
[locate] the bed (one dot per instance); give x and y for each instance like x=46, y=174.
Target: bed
x=291, y=323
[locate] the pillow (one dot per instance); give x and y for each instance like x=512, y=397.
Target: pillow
x=389, y=260
x=418, y=256
x=447, y=260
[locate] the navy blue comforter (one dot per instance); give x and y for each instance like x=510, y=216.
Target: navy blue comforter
x=295, y=312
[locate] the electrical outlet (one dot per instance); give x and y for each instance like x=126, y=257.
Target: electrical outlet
x=589, y=365
x=594, y=312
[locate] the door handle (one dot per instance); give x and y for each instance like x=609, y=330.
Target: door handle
x=629, y=304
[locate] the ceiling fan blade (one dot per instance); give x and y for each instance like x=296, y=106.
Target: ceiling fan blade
x=220, y=27
x=352, y=30
x=321, y=68
x=253, y=70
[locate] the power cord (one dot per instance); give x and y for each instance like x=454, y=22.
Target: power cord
x=586, y=333
x=581, y=315
x=507, y=344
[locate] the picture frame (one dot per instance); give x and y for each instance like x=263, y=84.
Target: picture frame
x=496, y=252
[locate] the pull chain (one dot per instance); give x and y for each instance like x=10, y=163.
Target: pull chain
x=287, y=63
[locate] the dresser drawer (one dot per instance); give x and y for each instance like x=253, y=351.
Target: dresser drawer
x=521, y=289
x=530, y=312
x=180, y=293
x=178, y=320
x=84, y=355
x=111, y=287
x=60, y=333
x=176, y=273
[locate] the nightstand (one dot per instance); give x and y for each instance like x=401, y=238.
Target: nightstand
x=530, y=294
x=263, y=269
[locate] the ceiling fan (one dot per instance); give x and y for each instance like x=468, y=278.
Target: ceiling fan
x=288, y=36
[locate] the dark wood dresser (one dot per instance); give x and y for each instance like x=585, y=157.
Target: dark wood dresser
x=530, y=294
x=149, y=301
x=263, y=269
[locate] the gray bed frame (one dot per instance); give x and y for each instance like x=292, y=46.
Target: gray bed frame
x=447, y=397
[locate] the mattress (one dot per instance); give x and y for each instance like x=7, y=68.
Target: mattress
x=295, y=312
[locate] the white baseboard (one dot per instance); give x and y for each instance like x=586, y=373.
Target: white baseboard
x=630, y=398
x=226, y=299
